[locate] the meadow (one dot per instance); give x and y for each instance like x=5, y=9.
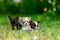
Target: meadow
x=49, y=29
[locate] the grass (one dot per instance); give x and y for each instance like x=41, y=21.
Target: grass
x=48, y=29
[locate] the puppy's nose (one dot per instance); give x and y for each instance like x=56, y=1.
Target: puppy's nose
x=26, y=24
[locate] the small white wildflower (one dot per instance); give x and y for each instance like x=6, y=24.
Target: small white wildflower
x=35, y=38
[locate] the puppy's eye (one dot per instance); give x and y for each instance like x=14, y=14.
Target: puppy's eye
x=23, y=22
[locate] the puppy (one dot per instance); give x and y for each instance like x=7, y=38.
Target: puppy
x=14, y=22
x=34, y=24
x=25, y=22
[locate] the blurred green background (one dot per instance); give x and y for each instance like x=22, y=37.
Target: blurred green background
x=41, y=9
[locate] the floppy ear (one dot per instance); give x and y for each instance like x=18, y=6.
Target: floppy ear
x=30, y=21
x=9, y=17
x=17, y=17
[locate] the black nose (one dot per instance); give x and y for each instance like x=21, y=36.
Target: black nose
x=26, y=24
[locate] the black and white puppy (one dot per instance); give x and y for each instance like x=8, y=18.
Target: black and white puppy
x=34, y=24
x=14, y=22
x=25, y=22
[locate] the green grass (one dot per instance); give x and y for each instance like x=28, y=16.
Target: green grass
x=49, y=29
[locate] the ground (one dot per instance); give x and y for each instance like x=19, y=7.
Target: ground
x=48, y=30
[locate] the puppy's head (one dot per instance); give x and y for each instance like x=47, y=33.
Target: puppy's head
x=34, y=24
x=13, y=20
x=25, y=20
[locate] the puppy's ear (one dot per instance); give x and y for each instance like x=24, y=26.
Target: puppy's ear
x=38, y=21
x=17, y=17
x=9, y=17
x=30, y=21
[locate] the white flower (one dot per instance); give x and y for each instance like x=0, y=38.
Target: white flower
x=35, y=38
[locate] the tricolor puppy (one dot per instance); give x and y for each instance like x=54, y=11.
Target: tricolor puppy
x=25, y=22
x=34, y=24
x=14, y=22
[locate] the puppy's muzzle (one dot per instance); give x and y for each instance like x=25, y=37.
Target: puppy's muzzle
x=25, y=23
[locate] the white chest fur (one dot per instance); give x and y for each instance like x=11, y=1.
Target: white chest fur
x=26, y=28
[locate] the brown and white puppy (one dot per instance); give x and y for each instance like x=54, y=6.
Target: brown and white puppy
x=14, y=22
x=25, y=22
x=34, y=24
